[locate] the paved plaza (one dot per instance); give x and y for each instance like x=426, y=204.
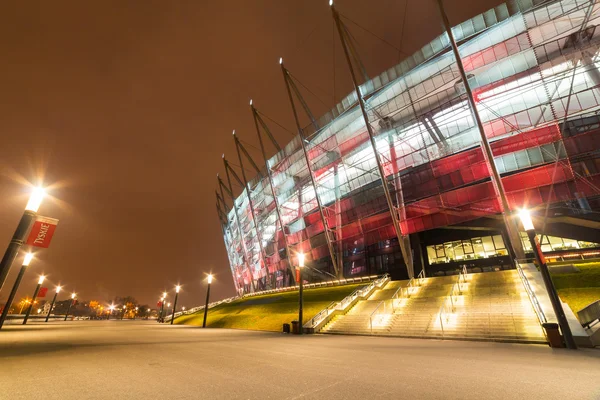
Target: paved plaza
x=146, y=360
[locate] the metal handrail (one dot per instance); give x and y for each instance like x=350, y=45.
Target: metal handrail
x=343, y=304
x=322, y=314
x=373, y=313
x=532, y=297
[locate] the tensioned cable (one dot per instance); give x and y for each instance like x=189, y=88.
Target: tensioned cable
x=368, y=31
x=248, y=144
x=307, y=89
x=276, y=123
x=402, y=29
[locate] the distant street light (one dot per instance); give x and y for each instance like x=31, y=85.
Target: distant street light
x=209, y=280
x=13, y=292
x=53, y=300
x=35, y=200
x=70, y=304
x=177, y=288
x=300, y=291
x=135, y=313
x=124, y=311
x=35, y=293
x=111, y=308
x=541, y=260
x=162, y=306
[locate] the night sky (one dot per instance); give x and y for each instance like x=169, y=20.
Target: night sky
x=122, y=109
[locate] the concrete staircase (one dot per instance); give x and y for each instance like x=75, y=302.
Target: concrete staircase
x=488, y=306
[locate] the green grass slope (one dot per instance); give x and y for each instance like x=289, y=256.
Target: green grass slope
x=268, y=312
x=578, y=289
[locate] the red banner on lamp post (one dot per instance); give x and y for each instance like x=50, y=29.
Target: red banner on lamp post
x=42, y=292
x=42, y=231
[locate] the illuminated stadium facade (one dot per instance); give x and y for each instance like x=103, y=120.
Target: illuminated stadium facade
x=532, y=67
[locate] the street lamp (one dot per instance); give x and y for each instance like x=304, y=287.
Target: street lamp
x=541, y=260
x=70, y=304
x=13, y=292
x=53, y=300
x=35, y=200
x=209, y=279
x=162, y=306
x=111, y=308
x=35, y=293
x=300, y=291
x=124, y=311
x=177, y=288
x=135, y=313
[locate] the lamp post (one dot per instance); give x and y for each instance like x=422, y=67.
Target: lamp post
x=53, y=301
x=209, y=280
x=541, y=260
x=35, y=200
x=35, y=293
x=13, y=292
x=111, y=308
x=135, y=313
x=177, y=288
x=300, y=291
x=162, y=306
x=70, y=304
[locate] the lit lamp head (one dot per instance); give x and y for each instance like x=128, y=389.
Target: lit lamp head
x=280, y=60
x=58, y=289
x=136, y=308
x=164, y=295
x=330, y=3
x=35, y=199
x=73, y=296
x=168, y=304
x=301, y=260
x=41, y=280
x=177, y=288
x=148, y=310
x=526, y=220
x=183, y=308
x=27, y=259
x=209, y=278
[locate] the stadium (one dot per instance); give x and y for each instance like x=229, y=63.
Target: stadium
x=400, y=181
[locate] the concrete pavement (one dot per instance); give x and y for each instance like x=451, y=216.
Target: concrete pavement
x=146, y=360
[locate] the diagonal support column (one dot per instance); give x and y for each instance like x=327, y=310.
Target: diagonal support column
x=338, y=271
x=402, y=240
x=239, y=226
x=223, y=223
x=257, y=119
x=252, y=210
x=511, y=226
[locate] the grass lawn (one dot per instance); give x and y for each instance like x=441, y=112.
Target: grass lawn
x=268, y=312
x=578, y=289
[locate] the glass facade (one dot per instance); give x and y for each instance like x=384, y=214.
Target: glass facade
x=467, y=249
x=530, y=70
x=493, y=246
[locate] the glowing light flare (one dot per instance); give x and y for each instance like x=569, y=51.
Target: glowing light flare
x=177, y=288
x=41, y=280
x=35, y=199
x=280, y=60
x=525, y=217
x=250, y=101
x=330, y=3
x=301, y=259
x=73, y=296
x=209, y=278
x=27, y=259
x=58, y=288
x=164, y=294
